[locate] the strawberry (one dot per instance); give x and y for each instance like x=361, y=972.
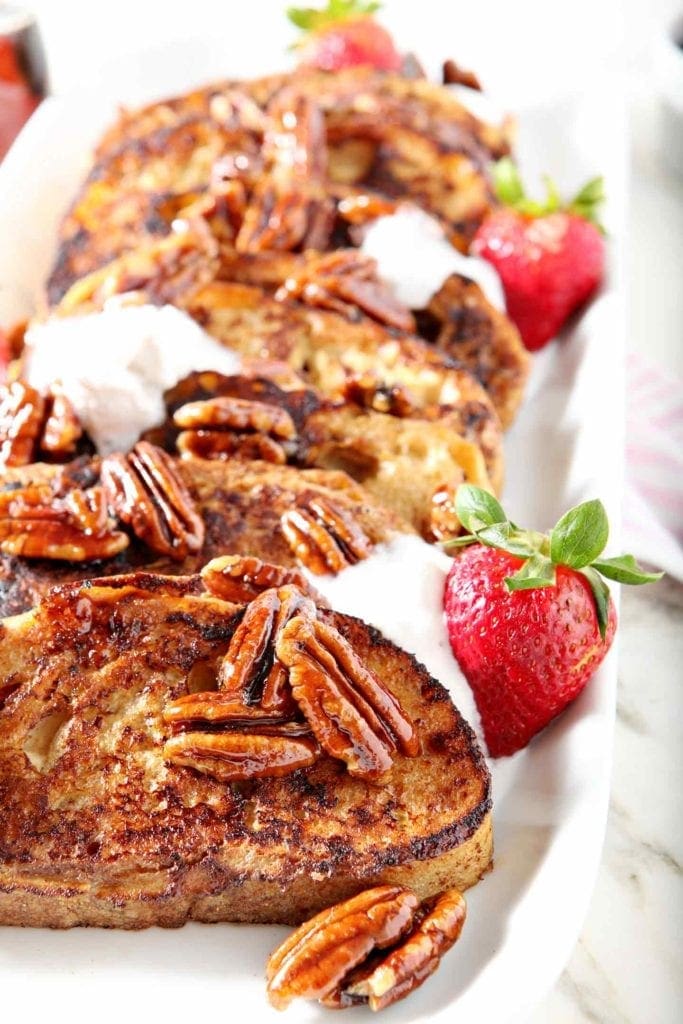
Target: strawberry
x=343, y=35
x=550, y=257
x=529, y=615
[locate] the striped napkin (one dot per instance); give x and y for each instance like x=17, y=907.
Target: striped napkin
x=653, y=499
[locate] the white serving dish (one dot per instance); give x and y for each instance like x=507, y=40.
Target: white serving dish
x=550, y=801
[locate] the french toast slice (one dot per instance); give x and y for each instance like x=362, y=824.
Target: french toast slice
x=99, y=829
x=396, y=136
x=241, y=504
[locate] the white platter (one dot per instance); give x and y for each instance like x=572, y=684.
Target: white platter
x=549, y=801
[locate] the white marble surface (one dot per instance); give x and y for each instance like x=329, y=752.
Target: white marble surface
x=627, y=967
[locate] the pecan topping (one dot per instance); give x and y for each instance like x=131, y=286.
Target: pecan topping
x=323, y=536
x=31, y=425
x=227, y=427
x=251, y=667
x=214, y=444
x=316, y=958
x=337, y=957
x=253, y=684
x=37, y=522
x=62, y=429
x=147, y=494
x=241, y=578
x=368, y=392
x=443, y=519
x=22, y=410
x=346, y=281
x=234, y=756
x=387, y=979
x=351, y=712
x=238, y=414
x=361, y=207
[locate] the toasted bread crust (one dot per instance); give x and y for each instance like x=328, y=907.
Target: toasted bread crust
x=98, y=829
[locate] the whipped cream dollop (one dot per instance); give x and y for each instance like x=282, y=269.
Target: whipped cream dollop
x=399, y=589
x=414, y=257
x=115, y=365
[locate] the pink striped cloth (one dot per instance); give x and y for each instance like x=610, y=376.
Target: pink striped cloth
x=653, y=499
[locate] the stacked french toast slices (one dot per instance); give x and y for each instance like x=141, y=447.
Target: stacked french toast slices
x=187, y=730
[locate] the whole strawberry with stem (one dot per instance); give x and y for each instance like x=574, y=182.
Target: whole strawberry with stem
x=550, y=256
x=529, y=615
x=343, y=35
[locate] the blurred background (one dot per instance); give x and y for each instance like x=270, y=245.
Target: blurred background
x=519, y=50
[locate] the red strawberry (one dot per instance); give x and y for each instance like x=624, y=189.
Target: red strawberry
x=550, y=258
x=343, y=35
x=529, y=616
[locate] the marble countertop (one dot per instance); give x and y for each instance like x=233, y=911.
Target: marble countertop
x=627, y=967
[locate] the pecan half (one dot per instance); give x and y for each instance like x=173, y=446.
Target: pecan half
x=368, y=392
x=323, y=536
x=351, y=712
x=346, y=281
x=316, y=958
x=386, y=979
x=443, y=521
x=37, y=522
x=147, y=494
x=251, y=667
x=227, y=427
x=241, y=578
x=32, y=425
x=22, y=411
x=235, y=756
x=214, y=444
x=238, y=414
x=62, y=429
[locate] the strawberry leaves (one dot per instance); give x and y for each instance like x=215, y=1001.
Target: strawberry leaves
x=580, y=535
x=509, y=189
x=308, y=19
x=577, y=540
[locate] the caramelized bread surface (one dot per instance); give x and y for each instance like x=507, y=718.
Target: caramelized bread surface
x=241, y=504
x=98, y=829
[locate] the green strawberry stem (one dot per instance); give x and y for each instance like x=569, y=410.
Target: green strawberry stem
x=509, y=189
x=577, y=540
x=308, y=19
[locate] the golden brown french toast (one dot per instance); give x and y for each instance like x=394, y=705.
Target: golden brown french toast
x=101, y=827
x=393, y=136
x=241, y=504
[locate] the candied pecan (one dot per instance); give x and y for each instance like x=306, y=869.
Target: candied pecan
x=217, y=445
x=346, y=281
x=235, y=756
x=290, y=208
x=250, y=667
x=436, y=927
x=453, y=74
x=367, y=391
x=351, y=712
x=147, y=494
x=22, y=413
x=62, y=429
x=323, y=536
x=241, y=578
x=443, y=519
x=37, y=522
x=215, y=429
x=32, y=425
x=238, y=414
x=316, y=958
x=362, y=207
